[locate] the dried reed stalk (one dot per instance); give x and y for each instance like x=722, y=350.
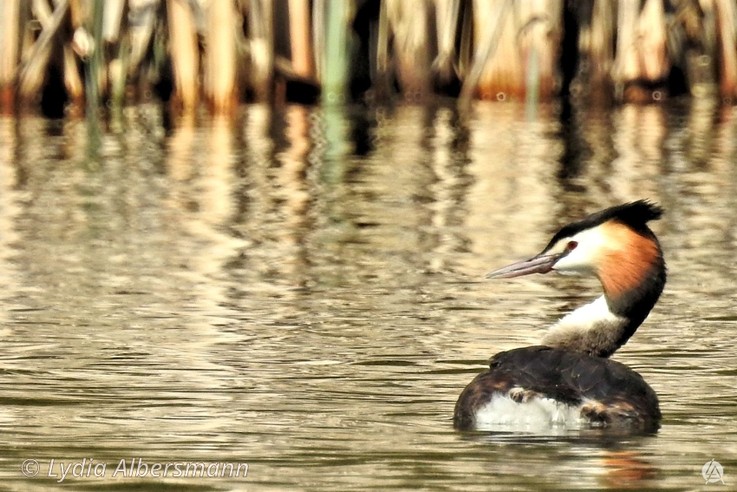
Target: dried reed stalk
x=300, y=38
x=517, y=49
x=642, y=55
x=597, y=43
x=261, y=47
x=34, y=65
x=409, y=22
x=726, y=17
x=220, y=57
x=184, y=53
x=9, y=51
x=445, y=66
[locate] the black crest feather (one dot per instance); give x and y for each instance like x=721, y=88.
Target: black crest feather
x=633, y=214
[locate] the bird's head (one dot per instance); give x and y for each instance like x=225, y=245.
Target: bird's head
x=614, y=244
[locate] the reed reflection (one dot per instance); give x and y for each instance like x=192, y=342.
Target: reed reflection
x=201, y=163
x=513, y=181
x=9, y=210
x=449, y=160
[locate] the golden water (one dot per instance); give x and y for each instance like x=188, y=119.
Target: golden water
x=302, y=291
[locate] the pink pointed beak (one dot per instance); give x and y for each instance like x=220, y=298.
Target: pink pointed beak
x=537, y=264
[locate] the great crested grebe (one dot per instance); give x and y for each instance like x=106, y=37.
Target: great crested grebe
x=568, y=380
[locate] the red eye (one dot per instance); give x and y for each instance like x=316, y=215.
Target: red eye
x=571, y=246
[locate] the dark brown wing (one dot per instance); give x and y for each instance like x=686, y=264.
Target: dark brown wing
x=610, y=392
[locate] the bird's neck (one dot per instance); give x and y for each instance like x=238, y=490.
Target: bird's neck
x=593, y=329
x=601, y=327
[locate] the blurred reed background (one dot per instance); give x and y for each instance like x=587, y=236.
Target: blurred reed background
x=67, y=55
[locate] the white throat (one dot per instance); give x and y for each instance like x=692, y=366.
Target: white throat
x=591, y=329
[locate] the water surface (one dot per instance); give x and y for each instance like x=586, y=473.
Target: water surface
x=301, y=290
